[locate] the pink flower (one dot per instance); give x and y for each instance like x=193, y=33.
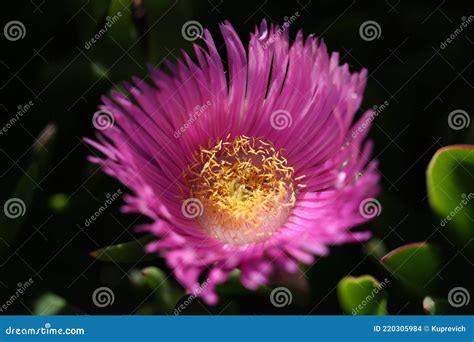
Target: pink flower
x=252, y=163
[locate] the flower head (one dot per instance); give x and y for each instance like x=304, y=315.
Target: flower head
x=256, y=169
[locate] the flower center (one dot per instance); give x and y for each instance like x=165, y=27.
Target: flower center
x=246, y=189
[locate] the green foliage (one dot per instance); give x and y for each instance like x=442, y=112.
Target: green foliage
x=451, y=190
x=164, y=292
x=51, y=304
x=416, y=264
x=20, y=202
x=132, y=251
x=362, y=295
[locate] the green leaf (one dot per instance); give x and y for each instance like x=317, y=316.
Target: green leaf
x=429, y=306
x=52, y=304
x=20, y=203
x=164, y=292
x=132, y=251
x=438, y=306
x=450, y=181
x=415, y=264
x=362, y=295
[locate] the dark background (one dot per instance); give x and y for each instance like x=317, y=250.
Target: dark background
x=51, y=67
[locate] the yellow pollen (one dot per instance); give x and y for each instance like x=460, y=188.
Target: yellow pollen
x=245, y=186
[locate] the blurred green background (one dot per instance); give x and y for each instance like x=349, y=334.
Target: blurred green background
x=51, y=66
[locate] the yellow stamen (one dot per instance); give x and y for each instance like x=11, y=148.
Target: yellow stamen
x=246, y=188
